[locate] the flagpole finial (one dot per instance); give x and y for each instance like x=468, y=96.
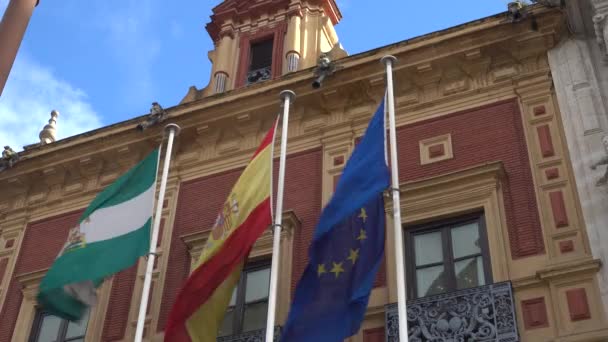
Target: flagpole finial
x=176, y=129
x=388, y=58
x=288, y=94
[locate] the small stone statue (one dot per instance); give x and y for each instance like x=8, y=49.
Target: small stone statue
x=324, y=62
x=603, y=161
x=9, y=157
x=324, y=68
x=157, y=115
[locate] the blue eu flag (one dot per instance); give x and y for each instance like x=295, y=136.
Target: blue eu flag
x=347, y=247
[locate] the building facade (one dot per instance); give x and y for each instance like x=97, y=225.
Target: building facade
x=578, y=63
x=495, y=237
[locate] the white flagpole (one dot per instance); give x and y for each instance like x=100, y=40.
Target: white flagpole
x=173, y=130
x=287, y=96
x=388, y=61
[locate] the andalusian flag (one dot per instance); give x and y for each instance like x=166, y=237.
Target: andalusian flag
x=113, y=232
x=202, y=302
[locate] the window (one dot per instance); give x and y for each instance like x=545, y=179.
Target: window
x=447, y=256
x=50, y=328
x=249, y=302
x=260, y=63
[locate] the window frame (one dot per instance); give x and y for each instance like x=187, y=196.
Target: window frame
x=445, y=226
x=62, y=331
x=264, y=40
x=277, y=34
x=239, y=306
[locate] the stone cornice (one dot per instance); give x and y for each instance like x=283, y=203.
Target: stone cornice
x=31, y=278
x=491, y=172
x=559, y=271
x=438, y=73
x=196, y=241
x=235, y=11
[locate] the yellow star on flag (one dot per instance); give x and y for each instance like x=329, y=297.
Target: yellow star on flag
x=363, y=214
x=354, y=255
x=337, y=269
x=362, y=235
x=321, y=269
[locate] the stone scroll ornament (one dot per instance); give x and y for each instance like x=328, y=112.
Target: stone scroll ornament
x=603, y=161
x=484, y=313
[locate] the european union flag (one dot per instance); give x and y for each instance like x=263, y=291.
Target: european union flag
x=346, y=251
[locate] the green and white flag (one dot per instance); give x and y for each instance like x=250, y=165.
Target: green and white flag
x=113, y=232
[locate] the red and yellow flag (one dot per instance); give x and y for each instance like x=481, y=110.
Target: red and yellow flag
x=202, y=302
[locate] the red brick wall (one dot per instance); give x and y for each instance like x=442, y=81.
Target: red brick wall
x=380, y=280
x=487, y=134
x=374, y=335
x=117, y=316
x=42, y=242
x=199, y=202
x=3, y=265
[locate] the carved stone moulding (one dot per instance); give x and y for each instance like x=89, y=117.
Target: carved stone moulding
x=484, y=313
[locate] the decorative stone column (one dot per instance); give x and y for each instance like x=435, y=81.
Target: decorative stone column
x=293, y=59
x=12, y=28
x=292, y=41
x=576, y=79
x=223, y=62
x=220, y=82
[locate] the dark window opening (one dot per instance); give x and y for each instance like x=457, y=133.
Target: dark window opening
x=50, y=328
x=260, y=63
x=249, y=303
x=447, y=256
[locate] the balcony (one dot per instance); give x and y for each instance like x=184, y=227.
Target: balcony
x=259, y=75
x=251, y=336
x=485, y=313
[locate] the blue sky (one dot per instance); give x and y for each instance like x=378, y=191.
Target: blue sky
x=102, y=61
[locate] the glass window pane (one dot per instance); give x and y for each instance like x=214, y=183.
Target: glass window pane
x=469, y=273
x=255, y=316
x=430, y=281
x=49, y=329
x=257, y=285
x=428, y=248
x=226, y=328
x=233, y=298
x=465, y=240
x=77, y=329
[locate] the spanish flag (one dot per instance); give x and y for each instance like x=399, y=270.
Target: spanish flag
x=202, y=302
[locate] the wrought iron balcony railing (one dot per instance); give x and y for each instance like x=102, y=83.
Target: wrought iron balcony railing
x=259, y=75
x=251, y=336
x=485, y=313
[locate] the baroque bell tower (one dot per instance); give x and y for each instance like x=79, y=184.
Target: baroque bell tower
x=258, y=40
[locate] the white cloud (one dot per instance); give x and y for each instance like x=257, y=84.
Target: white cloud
x=30, y=94
x=132, y=31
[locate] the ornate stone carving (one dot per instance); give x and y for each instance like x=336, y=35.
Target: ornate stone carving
x=9, y=158
x=599, y=24
x=157, y=115
x=48, y=133
x=485, y=313
x=259, y=75
x=604, y=161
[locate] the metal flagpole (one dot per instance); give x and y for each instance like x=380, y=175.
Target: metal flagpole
x=287, y=96
x=173, y=130
x=388, y=61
